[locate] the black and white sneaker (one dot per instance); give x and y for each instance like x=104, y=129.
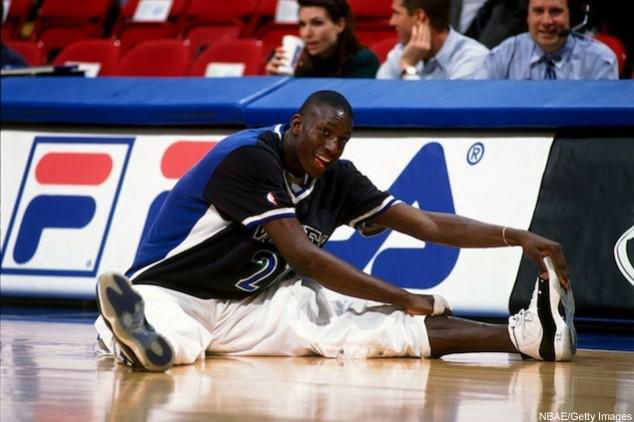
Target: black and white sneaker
x=122, y=310
x=545, y=330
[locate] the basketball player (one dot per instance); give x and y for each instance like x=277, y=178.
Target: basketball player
x=233, y=264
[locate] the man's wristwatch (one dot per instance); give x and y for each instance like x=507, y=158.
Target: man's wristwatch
x=409, y=73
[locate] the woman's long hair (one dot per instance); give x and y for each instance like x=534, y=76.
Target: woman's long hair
x=347, y=41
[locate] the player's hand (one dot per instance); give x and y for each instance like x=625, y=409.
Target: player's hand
x=419, y=304
x=278, y=59
x=537, y=247
x=418, y=46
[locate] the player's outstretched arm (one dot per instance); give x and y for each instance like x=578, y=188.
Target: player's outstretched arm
x=310, y=261
x=454, y=230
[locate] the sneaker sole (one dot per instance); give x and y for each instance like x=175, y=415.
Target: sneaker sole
x=556, y=309
x=148, y=348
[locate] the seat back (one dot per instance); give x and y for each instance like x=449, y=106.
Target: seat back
x=369, y=37
x=131, y=32
x=201, y=38
x=156, y=58
x=104, y=52
x=90, y=14
x=57, y=24
x=29, y=50
x=248, y=52
x=205, y=12
x=372, y=20
x=211, y=21
x=271, y=35
x=15, y=17
x=375, y=11
x=382, y=47
x=615, y=45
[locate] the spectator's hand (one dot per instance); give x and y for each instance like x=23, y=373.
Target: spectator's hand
x=278, y=59
x=537, y=247
x=418, y=46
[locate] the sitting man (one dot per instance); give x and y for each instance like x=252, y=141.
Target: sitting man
x=233, y=264
x=550, y=50
x=428, y=47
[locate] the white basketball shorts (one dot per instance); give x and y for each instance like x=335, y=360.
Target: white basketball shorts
x=293, y=319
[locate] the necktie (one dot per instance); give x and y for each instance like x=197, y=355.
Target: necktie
x=550, y=73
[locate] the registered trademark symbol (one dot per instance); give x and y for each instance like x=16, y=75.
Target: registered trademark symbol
x=475, y=153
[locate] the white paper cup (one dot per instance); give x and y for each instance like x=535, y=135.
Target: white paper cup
x=293, y=47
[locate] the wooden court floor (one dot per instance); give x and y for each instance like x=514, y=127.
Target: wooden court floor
x=49, y=372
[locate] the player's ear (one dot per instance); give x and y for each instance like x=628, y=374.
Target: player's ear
x=296, y=123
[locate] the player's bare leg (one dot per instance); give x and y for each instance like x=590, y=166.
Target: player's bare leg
x=449, y=334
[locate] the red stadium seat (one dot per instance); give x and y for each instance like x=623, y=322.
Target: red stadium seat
x=266, y=8
x=57, y=24
x=375, y=11
x=617, y=46
x=201, y=37
x=271, y=35
x=369, y=37
x=265, y=11
x=372, y=20
x=206, y=12
x=210, y=21
x=130, y=32
x=246, y=51
x=264, y=21
x=16, y=16
x=31, y=51
x=156, y=58
x=104, y=52
x=381, y=48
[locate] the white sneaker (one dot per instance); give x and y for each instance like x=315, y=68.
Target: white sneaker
x=545, y=330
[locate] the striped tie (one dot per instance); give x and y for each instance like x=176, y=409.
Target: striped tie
x=550, y=73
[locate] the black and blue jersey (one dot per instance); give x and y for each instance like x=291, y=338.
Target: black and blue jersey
x=207, y=239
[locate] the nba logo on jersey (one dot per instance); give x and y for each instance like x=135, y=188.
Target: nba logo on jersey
x=64, y=206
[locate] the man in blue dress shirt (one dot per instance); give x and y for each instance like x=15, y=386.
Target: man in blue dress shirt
x=550, y=50
x=428, y=47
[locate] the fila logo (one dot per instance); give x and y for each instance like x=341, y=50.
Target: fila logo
x=64, y=206
x=420, y=268
x=177, y=159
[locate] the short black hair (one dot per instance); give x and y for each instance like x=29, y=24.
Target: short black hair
x=436, y=10
x=327, y=98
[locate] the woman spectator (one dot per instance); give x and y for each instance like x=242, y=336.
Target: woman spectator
x=331, y=48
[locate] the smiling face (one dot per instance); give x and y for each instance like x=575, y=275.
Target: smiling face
x=546, y=19
x=318, y=31
x=319, y=137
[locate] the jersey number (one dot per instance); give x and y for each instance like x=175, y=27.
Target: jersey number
x=267, y=263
